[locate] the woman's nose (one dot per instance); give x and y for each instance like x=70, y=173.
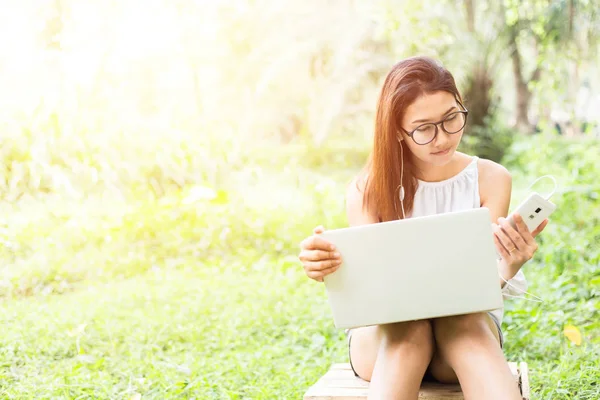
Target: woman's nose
x=441, y=139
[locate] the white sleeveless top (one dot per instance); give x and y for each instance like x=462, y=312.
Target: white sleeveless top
x=460, y=192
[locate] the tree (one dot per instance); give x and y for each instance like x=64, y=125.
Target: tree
x=543, y=27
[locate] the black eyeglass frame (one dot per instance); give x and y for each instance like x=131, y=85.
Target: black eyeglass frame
x=464, y=111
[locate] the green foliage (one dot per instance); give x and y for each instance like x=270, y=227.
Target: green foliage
x=491, y=141
x=565, y=272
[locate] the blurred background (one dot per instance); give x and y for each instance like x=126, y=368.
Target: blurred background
x=162, y=160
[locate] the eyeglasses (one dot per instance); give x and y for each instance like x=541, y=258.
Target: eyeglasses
x=426, y=133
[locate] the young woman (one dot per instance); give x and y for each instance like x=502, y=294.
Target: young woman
x=415, y=170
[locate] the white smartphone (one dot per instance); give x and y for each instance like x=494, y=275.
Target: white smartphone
x=534, y=210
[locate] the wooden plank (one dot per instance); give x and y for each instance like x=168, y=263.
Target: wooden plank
x=342, y=368
x=339, y=383
x=524, y=381
x=348, y=383
x=438, y=391
x=429, y=391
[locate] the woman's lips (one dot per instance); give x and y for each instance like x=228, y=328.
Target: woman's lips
x=442, y=153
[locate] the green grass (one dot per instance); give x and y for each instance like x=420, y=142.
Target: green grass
x=181, y=298
x=172, y=306
x=197, y=332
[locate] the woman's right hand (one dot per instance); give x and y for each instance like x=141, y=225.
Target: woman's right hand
x=318, y=256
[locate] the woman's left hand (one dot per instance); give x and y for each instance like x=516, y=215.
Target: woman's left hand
x=516, y=246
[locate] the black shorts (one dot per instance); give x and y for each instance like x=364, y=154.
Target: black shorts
x=428, y=376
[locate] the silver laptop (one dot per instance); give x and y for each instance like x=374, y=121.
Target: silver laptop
x=418, y=268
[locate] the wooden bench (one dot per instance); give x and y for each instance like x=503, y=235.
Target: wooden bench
x=339, y=383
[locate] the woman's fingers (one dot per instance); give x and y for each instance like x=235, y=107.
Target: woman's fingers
x=540, y=228
x=516, y=246
x=322, y=265
x=501, y=249
x=519, y=245
x=522, y=229
x=317, y=255
x=514, y=236
x=503, y=238
x=316, y=243
x=318, y=230
x=318, y=275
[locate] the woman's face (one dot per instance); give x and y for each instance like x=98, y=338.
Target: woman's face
x=432, y=107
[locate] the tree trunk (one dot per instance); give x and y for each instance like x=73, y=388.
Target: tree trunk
x=571, y=17
x=523, y=94
x=479, y=83
x=477, y=93
x=470, y=11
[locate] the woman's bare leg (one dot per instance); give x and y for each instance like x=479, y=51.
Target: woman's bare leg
x=467, y=345
x=394, y=357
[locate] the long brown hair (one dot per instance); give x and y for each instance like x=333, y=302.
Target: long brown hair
x=408, y=79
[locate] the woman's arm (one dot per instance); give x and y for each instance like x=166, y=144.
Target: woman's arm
x=515, y=246
x=355, y=212
x=495, y=187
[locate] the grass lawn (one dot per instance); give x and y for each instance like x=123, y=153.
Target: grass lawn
x=192, y=297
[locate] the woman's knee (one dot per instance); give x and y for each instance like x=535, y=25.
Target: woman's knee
x=415, y=334
x=457, y=326
x=401, y=342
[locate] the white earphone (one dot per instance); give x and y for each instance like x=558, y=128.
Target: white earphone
x=401, y=187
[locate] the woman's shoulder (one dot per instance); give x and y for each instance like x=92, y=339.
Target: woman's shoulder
x=485, y=168
x=355, y=191
x=355, y=210
x=491, y=170
x=494, y=179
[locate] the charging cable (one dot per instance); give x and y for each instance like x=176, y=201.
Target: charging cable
x=535, y=298
x=549, y=177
